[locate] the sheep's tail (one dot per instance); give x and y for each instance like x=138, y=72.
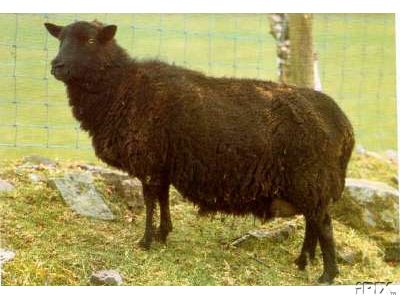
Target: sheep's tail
x=344, y=158
x=347, y=147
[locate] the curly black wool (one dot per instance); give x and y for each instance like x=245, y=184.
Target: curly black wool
x=237, y=146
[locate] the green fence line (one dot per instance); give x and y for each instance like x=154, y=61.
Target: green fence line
x=356, y=62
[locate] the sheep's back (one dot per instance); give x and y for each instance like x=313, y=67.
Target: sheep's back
x=232, y=142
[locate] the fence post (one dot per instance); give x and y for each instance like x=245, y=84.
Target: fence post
x=301, y=57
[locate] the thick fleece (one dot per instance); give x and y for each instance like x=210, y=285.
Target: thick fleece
x=227, y=145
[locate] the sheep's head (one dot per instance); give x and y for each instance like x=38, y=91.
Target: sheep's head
x=86, y=48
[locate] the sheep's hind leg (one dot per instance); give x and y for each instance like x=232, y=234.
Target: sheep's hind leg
x=326, y=241
x=312, y=246
x=309, y=245
x=150, y=198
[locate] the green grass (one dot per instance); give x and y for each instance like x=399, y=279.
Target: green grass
x=356, y=52
x=55, y=246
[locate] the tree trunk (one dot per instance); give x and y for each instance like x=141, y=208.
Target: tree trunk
x=280, y=31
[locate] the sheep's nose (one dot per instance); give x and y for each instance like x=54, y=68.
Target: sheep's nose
x=56, y=65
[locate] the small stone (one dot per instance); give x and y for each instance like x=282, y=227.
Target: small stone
x=5, y=186
x=6, y=255
x=106, y=277
x=360, y=150
x=349, y=256
x=90, y=168
x=35, y=178
x=39, y=160
x=391, y=155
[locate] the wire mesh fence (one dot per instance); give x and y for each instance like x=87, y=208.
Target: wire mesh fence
x=356, y=59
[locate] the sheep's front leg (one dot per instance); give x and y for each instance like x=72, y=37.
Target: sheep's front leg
x=150, y=194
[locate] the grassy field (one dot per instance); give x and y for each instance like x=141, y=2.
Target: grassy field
x=55, y=246
x=356, y=53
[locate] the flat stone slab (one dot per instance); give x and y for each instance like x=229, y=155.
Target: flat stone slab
x=6, y=255
x=278, y=234
x=79, y=192
x=128, y=189
x=106, y=277
x=5, y=186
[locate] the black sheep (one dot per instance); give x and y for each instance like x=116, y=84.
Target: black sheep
x=237, y=146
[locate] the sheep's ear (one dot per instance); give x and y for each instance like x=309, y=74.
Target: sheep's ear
x=107, y=33
x=53, y=29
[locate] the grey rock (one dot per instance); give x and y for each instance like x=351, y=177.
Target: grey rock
x=131, y=191
x=6, y=255
x=372, y=208
x=5, y=186
x=27, y=167
x=111, y=176
x=106, y=277
x=79, y=193
x=240, y=240
x=368, y=205
x=38, y=160
x=277, y=234
x=349, y=256
x=368, y=218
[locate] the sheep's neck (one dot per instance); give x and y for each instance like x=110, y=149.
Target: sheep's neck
x=90, y=107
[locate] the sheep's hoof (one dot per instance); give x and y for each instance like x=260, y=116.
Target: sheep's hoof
x=160, y=235
x=301, y=262
x=144, y=243
x=327, y=277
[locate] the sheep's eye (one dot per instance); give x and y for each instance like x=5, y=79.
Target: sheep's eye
x=91, y=41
